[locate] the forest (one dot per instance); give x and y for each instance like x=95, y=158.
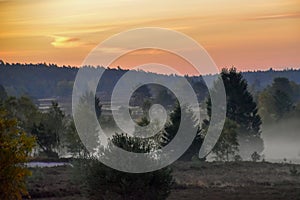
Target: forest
x=49, y=80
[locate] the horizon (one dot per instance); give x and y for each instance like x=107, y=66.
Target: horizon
x=249, y=35
x=150, y=70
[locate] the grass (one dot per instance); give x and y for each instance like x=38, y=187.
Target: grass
x=215, y=180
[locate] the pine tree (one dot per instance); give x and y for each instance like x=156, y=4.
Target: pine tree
x=192, y=125
x=241, y=109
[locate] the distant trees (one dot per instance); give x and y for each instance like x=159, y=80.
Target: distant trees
x=200, y=89
x=54, y=131
x=278, y=99
x=15, y=146
x=3, y=94
x=242, y=110
x=158, y=94
x=49, y=130
x=141, y=95
x=37, y=80
x=49, y=80
x=164, y=97
x=24, y=110
x=64, y=88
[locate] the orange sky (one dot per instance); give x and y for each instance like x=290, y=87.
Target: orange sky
x=247, y=34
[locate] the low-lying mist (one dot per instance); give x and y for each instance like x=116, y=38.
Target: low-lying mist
x=282, y=140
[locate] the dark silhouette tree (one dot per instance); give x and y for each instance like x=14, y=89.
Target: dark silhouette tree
x=192, y=126
x=241, y=109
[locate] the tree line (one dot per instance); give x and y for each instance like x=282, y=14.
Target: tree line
x=44, y=80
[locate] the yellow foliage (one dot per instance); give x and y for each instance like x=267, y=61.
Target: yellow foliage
x=15, y=146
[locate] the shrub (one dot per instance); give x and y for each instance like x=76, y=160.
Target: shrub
x=14, y=148
x=255, y=157
x=237, y=158
x=294, y=171
x=102, y=182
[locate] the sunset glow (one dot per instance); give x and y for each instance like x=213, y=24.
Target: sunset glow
x=247, y=34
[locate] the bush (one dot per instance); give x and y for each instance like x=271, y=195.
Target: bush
x=255, y=157
x=14, y=148
x=102, y=182
x=237, y=158
x=294, y=171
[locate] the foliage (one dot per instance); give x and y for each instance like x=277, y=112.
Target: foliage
x=73, y=141
x=255, y=156
x=237, y=158
x=15, y=146
x=103, y=182
x=294, y=171
x=49, y=130
x=241, y=109
x=24, y=110
x=227, y=144
x=191, y=126
x=278, y=100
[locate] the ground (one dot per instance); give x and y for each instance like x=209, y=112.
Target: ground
x=193, y=180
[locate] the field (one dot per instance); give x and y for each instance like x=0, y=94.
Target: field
x=193, y=180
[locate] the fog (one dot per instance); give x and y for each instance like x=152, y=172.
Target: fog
x=282, y=140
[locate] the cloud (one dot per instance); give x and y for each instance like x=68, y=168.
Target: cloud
x=66, y=42
x=111, y=50
x=276, y=16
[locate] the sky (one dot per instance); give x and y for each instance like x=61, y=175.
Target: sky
x=250, y=35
